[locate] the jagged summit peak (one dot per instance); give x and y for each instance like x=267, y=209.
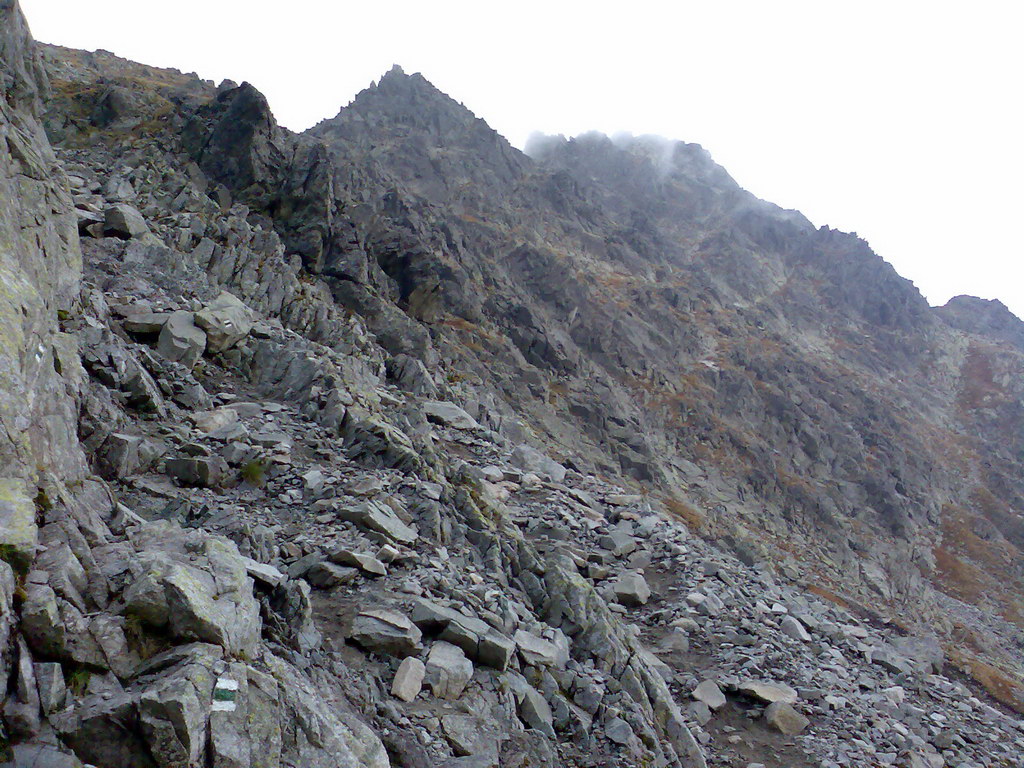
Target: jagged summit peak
x=402, y=112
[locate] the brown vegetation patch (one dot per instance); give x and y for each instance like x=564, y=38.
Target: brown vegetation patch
x=978, y=385
x=828, y=595
x=684, y=511
x=1004, y=687
x=959, y=578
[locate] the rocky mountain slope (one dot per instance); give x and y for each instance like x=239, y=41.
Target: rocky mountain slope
x=389, y=445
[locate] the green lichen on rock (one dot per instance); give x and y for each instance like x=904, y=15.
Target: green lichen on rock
x=18, y=530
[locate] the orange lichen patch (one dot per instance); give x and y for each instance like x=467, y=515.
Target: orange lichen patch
x=557, y=390
x=684, y=511
x=1003, y=686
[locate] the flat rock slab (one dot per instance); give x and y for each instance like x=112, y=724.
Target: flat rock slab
x=386, y=632
x=449, y=414
x=379, y=519
x=768, y=692
x=536, y=651
x=364, y=562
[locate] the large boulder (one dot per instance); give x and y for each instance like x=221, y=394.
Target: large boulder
x=181, y=340
x=195, y=587
x=448, y=670
x=226, y=321
x=408, y=679
x=124, y=221
x=174, y=709
x=768, y=692
x=631, y=589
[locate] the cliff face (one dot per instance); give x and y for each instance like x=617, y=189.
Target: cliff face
x=40, y=266
x=388, y=444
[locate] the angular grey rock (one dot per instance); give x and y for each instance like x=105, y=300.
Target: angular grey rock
x=889, y=660
x=536, y=651
x=18, y=532
x=226, y=321
x=52, y=689
x=709, y=693
x=217, y=419
x=124, y=221
x=495, y=650
x=792, y=627
x=408, y=679
x=470, y=735
x=768, y=692
x=172, y=716
x=95, y=730
x=204, y=595
x=449, y=414
x=676, y=641
x=618, y=731
x=535, y=711
x=448, y=671
x=366, y=563
x=782, y=717
x=631, y=589
x=203, y=472
x=328, y=575
x=386, y=632
x=924, y=652
x=411, y=375
x=41, y=622
x=22, y=708
x=118, y=458
x=263, y=573
x=529, y=459
x=700, y=712
x=145, y=322
x=181, y=340
x=380, y=519
x=619, y=543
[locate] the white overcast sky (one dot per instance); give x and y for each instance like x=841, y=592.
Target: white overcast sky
x=902, y=121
